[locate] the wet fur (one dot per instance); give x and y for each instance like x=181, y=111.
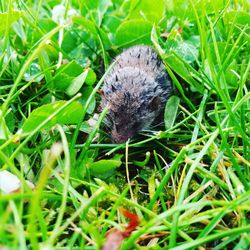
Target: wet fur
x=135, y=90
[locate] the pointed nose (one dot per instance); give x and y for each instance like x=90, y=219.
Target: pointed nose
x=120, y=138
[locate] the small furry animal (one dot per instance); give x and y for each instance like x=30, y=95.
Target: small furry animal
x=135, y=90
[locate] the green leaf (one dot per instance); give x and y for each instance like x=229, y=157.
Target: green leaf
x=86, y=24
x=237, y=17
x=187, y=51
x=76, y=84
x=111, y=23
x=183, y=8
x=104, y=168
x=70, y=41
x=102, y=9
x=70, y=115
x=66, y=74
x=86, y=92
x=18, y=27
x=146, y=9
x=181, y=68
x=231, y=78
x=46, y=25
x=72, y=68
x=161, y=52
x=62, y=81
x=6, y=19
x=4, y=130
x=92, y=29
x=44, y=63
x=171, y=111
x=132, y=32
x=223, y=49
x=91, y=77
x=97, y=8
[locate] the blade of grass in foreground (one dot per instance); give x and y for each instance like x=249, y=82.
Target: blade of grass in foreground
x=91, y=137
x=55, y=151
x=160, y=218
x=184, y=188
x=38, y=128
x=190, y=174
x=94, y=198
x=77, y=130
x=66, y=169
x=23, y=68
x=199, y=242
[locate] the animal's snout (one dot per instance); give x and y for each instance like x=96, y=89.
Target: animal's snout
x=120, y=138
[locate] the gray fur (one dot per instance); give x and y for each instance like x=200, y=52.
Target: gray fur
x=135, y=90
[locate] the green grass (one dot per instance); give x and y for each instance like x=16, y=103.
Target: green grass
x=189, y=183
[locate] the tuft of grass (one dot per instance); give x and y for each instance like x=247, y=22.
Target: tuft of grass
x=188, y=181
